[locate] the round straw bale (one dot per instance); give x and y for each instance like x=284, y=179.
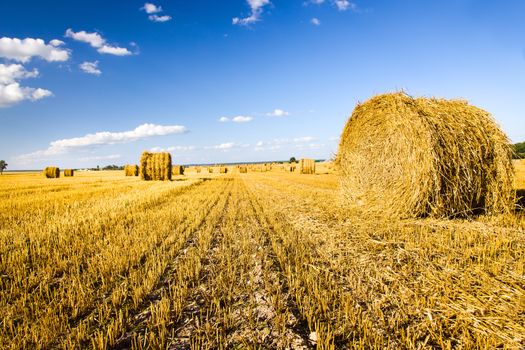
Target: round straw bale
x=69, y=172
x=155, y=166
x=416, y=157
x=52, y=172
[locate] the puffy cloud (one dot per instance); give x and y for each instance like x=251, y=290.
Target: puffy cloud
x=224, y=119
x=157, y=18
x=315, y=21
x=97, y=41
x=256, y=7
x=56, y=42
x=10, y=90
x=278, y=113
x=151, y=8
x=90, y=68
x=25, y=49
x=225, y=145
x=343, y=5
x=103, y=138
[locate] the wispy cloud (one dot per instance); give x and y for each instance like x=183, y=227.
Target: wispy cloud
x=10, y=90
x=277, y=144
x=315, y=21
x=278, y=113
x=103, y=138
x=91, y=158
x=157, y=18
x=90, y=68
x=343, y=5
x=97, y=41
x=22, y=50
x=256, y=8
x=236, y=119
x=173, y=149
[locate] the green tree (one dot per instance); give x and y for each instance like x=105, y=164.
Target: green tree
x=293, y=160
x=3, y=166
x=519, y=150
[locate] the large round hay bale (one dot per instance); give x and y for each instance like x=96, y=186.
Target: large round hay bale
x=307, y=166
x=69, y=172
x=131, y=170
x=415, y=157
x=155, y=166
x=52, y=172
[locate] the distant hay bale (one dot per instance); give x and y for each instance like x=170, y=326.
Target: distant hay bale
x=177, y=170
x=291, y=167
x=210, y=170
x=243, y=169
x=69, y=172
x=198, y=169
x=155, y=166
x=131, y=170
x=52, y=172
x=223, y=170
x=417, y=157
x=307, y=166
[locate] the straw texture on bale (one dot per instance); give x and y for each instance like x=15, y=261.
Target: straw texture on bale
x=307, y=166
x=223, y=170
x=155, y=166
x=424, y=157
x=178, y=170
x=243, y=169
x=131, y=170
x=69, y=172
x=52, y=172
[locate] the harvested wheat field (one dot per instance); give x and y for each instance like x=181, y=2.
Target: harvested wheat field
x=258, y=260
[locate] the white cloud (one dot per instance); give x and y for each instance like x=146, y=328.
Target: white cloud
x=103, y=138
x=56, y=42
x=114, y=50
x=237, y=119
x=304, y=139
x=90, y=68
x=97, y=41
x=343, y=5
x=242, y=119
x=10, y=90
x=225, y=145
x=277, y=144
x=278, y=113
x=173, y=149
x=161, y=19
x=111, y=156
x=315, y=21
x=25, y=49
x=151, y=8
x=256, y=7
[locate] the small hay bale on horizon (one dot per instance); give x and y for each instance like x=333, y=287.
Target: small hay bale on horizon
x=131, y=170
x=52, y=172
x=177, y=170
x=223, y=170
x=307, y=166
x=243, y=169
x=155, y=166
x=408, y=157
x=69, y=172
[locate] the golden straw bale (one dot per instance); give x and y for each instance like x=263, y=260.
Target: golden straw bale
x=131, y=170
x=243, y=169
x=178, y=170
x=52, y=172
x=416, y=157
x=198, y=169
x=155, y=166
x=223, y=170
x=307, y=166
x=210, y=169
x=69, y=172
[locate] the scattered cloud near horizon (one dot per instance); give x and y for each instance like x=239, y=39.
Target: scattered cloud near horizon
x=102, y=138
x=10, y=90
x=96, y=41
x=91, y=158
x=236, y=119
x=256, y=9
x=278, y=113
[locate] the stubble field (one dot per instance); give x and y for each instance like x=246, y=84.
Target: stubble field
x=256, y=260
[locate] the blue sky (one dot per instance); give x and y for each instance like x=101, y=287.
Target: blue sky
x=98, y=82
